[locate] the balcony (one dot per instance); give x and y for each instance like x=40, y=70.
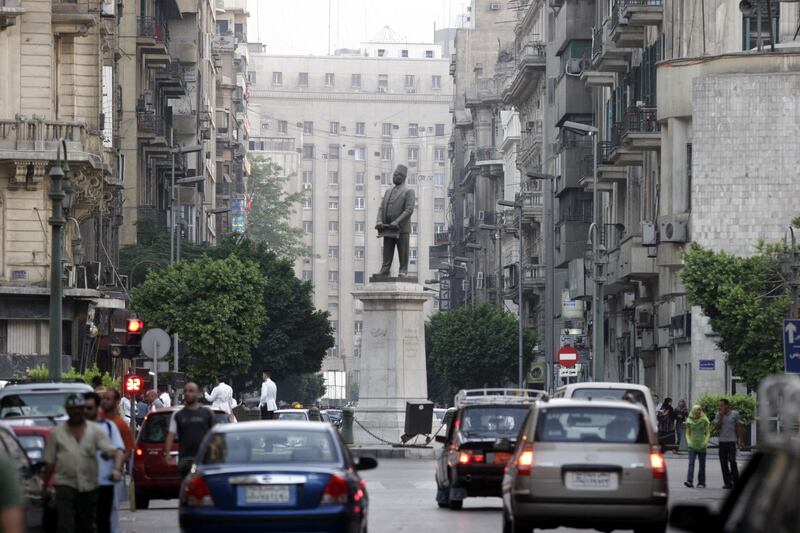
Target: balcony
x=606, y=173
x=490, y=162
x=150, y=125
x=530, y=145
x=486, y=92
x=587, y=177
x=641, y=130
x=171, y=81
x=533, y=280
x=72, y=18
x=9, y=11
x=572, y=149
x=628, y=263
x=622, y=155
x=643, y=12
x=607, y=58
x=152, y=37
x=531, y=63
x=622, y=33
x=532, y=204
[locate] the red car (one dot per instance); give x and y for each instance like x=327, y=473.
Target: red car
x=156, y=477
x=32, y=434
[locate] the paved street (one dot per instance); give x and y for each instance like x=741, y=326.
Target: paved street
x=402, y=500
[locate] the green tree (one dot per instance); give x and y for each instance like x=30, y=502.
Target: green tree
x=474, y=347
x=746, y=300
x=296, y=336
x=215, y=305
x=271, y=207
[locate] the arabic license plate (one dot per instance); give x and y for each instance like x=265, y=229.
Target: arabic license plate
x=591, y=481
x=267, y=494
x=501, y=458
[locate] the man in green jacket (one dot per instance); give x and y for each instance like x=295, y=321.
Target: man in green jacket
x=698, y=432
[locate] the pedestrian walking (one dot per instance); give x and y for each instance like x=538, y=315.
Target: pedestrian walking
x=141, y=410
x=164, y=396
x=12, y=497
x=106, y=485
x=189, y=425
x=730, y=431
x=153, y=401
x=269, y=395
x=110, y=401
x=698, y=432
x=221, y=397
x=71, y=452
x=666, y=424
x=97, y=383
x=681, y=413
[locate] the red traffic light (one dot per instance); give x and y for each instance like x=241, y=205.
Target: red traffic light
x=133, y=384
x=135, y=325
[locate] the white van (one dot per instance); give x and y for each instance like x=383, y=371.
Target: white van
x=600, y=390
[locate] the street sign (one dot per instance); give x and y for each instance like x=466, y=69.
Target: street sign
x=568, y=372
x=708, y=364
x=156, y=343
x=791, y=346
x=567, y=356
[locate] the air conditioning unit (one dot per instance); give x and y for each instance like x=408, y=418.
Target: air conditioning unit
x=673, y=230
x=647, y=341
x=411, y=90
x=359, y=188
x=324, y=156
x=306, y=186
x=494, y=7
x=381, y=89
x=299, y=124
x=575, y=66
x=351, y=152
x=649, y=234
x=644, y=319
x=148, y=99
x=342, y=128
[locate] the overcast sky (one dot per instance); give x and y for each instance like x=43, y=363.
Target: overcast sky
x=301, y=26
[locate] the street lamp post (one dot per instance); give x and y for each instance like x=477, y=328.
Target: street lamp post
x=57, y=222
x=517, y=205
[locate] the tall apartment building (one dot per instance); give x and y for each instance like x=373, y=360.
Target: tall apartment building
x=338, y=125
x=59, y=78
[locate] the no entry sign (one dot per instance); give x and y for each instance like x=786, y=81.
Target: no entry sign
x=567, y=356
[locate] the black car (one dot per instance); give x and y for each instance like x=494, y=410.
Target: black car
x=32, y=483
x=481, y=433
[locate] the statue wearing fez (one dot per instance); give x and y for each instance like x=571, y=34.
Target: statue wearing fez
x=394, y=222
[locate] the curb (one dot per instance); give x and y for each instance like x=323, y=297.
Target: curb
x=388, y=452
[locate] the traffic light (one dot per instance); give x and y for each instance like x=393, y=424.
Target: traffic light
x=135, y=328
x=133, y=384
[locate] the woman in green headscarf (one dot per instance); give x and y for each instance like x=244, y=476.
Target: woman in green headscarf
x=698, y=432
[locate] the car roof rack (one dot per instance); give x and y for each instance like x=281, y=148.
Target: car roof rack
x=497, y=396
x=779, y=412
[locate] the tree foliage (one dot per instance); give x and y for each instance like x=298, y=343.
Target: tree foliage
x=271, y=207
x=215, y=305
x=303, y=388
x=745, y=299
x=745, y=405
x=473, y=347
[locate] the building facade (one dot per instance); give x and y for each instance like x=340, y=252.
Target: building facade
x=338, y=126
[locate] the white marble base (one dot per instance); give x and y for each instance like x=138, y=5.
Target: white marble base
x=393, y=367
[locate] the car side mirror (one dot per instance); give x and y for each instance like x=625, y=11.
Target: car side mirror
x=693, y=518
x=442, y=439
x=366, y=463
x=503, y=445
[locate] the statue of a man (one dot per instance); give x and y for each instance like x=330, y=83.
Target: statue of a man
x=394, y=222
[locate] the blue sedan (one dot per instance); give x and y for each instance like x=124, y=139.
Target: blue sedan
x=275, y=476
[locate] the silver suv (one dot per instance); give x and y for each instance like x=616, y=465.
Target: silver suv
x=581, y=463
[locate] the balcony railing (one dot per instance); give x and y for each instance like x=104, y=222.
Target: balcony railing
x=616, y=8
x=626, y=3
x=597, y=43
x=616, y=134
x=532, y=52
x=641, y=120
x=150, y=122
x=44, y=135
x=487, y=154
x=152, y=28
x=604, y=149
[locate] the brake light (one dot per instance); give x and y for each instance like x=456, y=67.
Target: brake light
x=336, y=492
x=197, y=493
x=658, y=464
x=139, y=452
x=469, y=456
x=525, y=459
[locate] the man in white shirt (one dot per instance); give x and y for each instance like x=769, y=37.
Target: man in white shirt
x=221, y=396
x=164, y=395
x=269, y=395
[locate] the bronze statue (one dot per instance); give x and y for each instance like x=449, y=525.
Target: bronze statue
x=394, y=222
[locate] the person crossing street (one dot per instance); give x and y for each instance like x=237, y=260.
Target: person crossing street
x=269, y=395
x=698, y=431
x=221, y=397
x=189, y=425
x=106, y=503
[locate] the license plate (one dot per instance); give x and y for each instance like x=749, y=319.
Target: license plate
x=267, y=494
x=501, y=458
x=591, y=481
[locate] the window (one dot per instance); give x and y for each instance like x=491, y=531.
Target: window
x=413, y=130
x=383, y=83
x=360, y=153
x=413, y=153
x=277, y=78
x=333, y=252
x=429, y=54
x=381, y=52
x=598, y=424
x=333, y=151
x=334, y=323
x=330, y=79
x=308, y=151
x=222, y=27
x=359, y=252
x=302, y=79
x=414, y=228
x=264, y=126
x=385, y=178
x=355, y=81
x=308, y=177
x=410, y=81
x=333, y=276
x=334, y=128
x=439, y=130
x=308, y=275
x=439, y=153
x=412, y=255
x=308, y=127
x=251, y=77
x=438, y=179
x=689, y=177
x=359, y=202
x=359, y=227
x=333, y=226
x=386, y=152
x=438, y=227
x=333, y=202
x=283, y=126
x=751, y=29
x=360, y=128
x=403, y=53
x=360, y=178
x=438, y=204
x=386, y=129
x=307, y=202
x=358, y=325
x=436, y=82
x=333, y=177
x=308, y=226
x=412, y=179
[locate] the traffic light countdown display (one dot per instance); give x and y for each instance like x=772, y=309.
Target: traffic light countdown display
x=133, y=384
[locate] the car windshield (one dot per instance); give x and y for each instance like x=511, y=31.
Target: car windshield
x=590, y=424
x=292, y=416
x=492, y=422
x=273, y=446
x=34, y=404
x=633, y=395
x=155, y=428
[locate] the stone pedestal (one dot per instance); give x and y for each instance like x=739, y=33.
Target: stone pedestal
x=393, y=369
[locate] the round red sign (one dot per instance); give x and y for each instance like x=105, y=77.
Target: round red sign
x=567, y=356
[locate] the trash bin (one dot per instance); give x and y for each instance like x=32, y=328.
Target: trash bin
x=419, y=418
x=347, y=425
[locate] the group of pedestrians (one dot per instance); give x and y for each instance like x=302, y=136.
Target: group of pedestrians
x=727, y=424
